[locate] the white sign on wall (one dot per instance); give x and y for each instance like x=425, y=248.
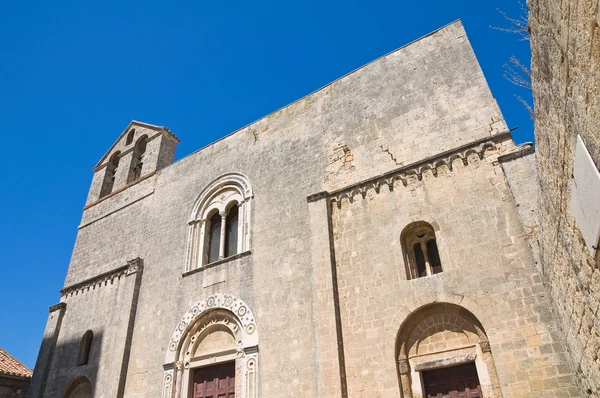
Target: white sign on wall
x=585, y=196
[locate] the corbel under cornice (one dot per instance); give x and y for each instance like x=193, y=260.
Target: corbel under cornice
x=416, y=169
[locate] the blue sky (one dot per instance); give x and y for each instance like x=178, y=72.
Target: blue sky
x=73, y=74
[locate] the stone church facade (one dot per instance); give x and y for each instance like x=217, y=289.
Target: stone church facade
x=373, y=239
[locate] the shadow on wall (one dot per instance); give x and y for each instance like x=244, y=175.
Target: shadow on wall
x=71, y=368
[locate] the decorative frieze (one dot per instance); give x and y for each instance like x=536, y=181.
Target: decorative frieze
x=132, y=267
x=416, y=170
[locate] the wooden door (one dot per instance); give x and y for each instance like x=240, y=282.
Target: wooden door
x=216, y=381
x=454, y=382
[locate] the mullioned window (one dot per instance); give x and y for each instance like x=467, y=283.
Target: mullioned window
x=219, y=226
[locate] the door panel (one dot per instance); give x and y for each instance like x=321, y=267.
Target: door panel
x=216, y=381
x=454, y=382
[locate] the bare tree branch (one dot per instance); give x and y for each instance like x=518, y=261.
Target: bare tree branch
x=526, y=105
x=519, y=25
x=517, y=73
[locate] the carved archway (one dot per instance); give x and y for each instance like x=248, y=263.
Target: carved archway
x=219, y=313
x=440, y=335
x=217, y=198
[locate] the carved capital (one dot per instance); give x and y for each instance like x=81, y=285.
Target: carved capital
x=403, y=366
x=134, y=266
x=485, y=346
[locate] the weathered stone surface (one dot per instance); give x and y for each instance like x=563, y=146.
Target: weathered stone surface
x=565, y=42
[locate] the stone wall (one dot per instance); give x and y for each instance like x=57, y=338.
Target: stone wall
x=105, y=305
x=13, y=387
x=488, y=269
x=565, y=42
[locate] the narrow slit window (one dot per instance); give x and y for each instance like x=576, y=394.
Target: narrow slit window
x=85, y=346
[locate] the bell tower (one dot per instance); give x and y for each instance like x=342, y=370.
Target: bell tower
x=141, y=150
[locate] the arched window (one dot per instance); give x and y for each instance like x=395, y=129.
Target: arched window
x=130, y=137
x=220, y=223
x=138, y=159
x=84, y=348
x=109, y=176
x=421, y=253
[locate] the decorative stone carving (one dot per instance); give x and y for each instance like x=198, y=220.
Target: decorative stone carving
x=417, y=169
x=434, y=320
x=485, y=346
x=132, y=266
x=219, y=196
x=215, y=312
x=168, y=384
x=403, y=366
x=219, y=300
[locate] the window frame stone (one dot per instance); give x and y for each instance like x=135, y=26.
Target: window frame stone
x=408, y=238
x=232, y=189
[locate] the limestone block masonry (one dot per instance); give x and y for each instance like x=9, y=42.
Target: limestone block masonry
x=290, y=230
x=565, y=45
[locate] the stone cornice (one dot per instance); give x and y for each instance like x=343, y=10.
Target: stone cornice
x=415, y=169
x=57, y=307
x=523, y=150
x=132, y=267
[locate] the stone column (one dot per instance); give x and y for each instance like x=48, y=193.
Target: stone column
x=46, y=354
x=192, y=250
x=241, y=228
x=123, y=173
x=423, y=244
x=178, y=378
x=331, y=374
x=489, y=362
x=222, y=242
x=201, y=250
x=404, y=369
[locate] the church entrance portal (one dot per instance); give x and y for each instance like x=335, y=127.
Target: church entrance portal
x=453, y=382
x=216, y=381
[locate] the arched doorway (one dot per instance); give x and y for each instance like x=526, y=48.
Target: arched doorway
x=80, y=387
x=442, y=348
x=213, y=351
